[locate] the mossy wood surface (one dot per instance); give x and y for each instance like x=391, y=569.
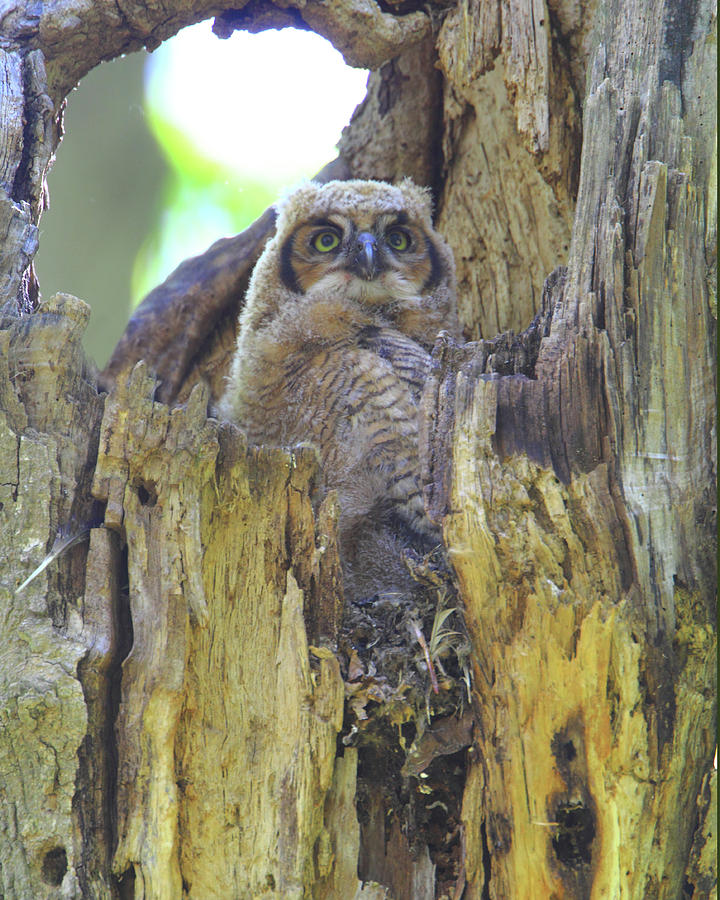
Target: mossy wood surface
x=180, y=716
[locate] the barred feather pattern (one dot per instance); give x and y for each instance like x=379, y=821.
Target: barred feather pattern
x=358, y=405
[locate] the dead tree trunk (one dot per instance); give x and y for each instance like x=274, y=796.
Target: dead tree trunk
x=179, y=716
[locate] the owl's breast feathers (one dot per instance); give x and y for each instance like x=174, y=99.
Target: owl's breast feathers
x=357, y=381
x=354, y=397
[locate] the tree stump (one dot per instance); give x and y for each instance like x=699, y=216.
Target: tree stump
x=183, y=715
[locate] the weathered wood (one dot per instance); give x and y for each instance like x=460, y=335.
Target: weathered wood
x=396, y=131
x=29, y=133
x=365, y=34
x=572, y=464
x=74, y=38
x=107, y=633
x=701, y=872
x=49, y=417
x=511, y=141
x=223, y=761
x=569, y=529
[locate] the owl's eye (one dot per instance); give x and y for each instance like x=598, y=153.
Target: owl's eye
x=325, y=241
x=398, y=239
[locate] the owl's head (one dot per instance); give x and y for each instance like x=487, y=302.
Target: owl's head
x=369, y=243
x=372, y=241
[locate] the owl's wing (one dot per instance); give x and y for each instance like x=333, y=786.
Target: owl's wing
x=409, y=360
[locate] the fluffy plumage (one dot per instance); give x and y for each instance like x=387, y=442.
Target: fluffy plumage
x=342, y=309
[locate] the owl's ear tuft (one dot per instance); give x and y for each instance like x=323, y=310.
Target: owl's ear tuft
x=297, y=204
x=422, y=196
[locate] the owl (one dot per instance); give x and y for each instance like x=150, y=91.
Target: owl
x=333, y=349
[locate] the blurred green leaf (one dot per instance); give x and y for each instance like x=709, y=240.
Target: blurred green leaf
x=202, y=200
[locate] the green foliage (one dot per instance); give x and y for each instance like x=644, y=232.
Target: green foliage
x=202, y=200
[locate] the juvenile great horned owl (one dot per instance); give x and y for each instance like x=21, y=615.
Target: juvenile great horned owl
x=343, y=306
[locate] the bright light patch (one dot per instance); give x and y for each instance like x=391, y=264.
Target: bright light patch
x=269, y=106
x=240, y=121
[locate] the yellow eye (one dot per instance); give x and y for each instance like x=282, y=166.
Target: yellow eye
x=325, y=241
x=398, y=239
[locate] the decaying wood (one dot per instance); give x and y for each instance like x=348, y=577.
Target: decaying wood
x=510, y=140
x=590, y=622
x=366, y=36
x=29, y=134
x=49, y=420
x=184, y=711
x=228, y=718
x=74, y=39
x=396, y=130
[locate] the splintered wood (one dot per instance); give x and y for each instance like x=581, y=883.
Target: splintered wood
x=173, y=698
x=228, y=718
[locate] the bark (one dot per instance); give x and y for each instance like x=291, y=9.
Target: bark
x=184, y=714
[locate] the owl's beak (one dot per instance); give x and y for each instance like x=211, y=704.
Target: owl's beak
x=365, y=262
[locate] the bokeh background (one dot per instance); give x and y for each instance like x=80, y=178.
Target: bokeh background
x=164, y=153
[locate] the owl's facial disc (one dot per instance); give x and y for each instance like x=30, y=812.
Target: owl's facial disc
x=368, y=258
